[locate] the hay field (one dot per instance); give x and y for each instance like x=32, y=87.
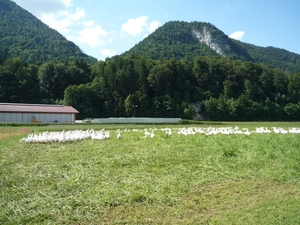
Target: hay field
x=172, y=178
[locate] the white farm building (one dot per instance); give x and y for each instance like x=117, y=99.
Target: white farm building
x=16, y=112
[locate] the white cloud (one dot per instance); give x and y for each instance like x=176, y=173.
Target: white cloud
x=89, y=23
x=62, y=20
x=67, y=3
x=153, y=26
x=78, y=15
x=93, y=36
x=56, y=22
x=108, y=52
x=57, y=14
x=71, y=38
x=38, y=7
x=135, y=26
x=238, y=35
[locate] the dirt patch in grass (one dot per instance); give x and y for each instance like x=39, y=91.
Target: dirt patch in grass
x=12, y=132
x=239, y=194
x=241, y=201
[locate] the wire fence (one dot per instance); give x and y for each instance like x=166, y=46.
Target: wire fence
x=11, y=132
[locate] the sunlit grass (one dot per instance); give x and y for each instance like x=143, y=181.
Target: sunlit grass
x=195, y=179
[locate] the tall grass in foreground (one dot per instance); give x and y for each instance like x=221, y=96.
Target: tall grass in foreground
x=195, y=179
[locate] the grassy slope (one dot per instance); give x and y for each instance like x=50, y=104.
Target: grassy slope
x=198, y=179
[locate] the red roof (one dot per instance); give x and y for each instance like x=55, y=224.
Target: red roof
x=35, y=108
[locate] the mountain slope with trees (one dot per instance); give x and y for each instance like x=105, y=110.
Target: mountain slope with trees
x=177, y=39
x=177, y=66
x=23, y=35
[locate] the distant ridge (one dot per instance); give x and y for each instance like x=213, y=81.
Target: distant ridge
x=179, y=39
x=23, y=35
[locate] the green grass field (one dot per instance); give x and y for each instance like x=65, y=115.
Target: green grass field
x=177, y=179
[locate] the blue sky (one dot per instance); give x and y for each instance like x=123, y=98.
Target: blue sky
x=106, y=28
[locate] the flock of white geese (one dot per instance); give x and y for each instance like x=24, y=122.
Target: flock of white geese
x=66, y=136
x=79, y=135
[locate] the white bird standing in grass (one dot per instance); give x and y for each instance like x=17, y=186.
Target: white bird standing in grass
x=147, y=133
x=168, y=132
x=118, y=133
x=152, y=135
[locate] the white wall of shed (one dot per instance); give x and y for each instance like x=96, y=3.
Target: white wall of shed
x=40, y=117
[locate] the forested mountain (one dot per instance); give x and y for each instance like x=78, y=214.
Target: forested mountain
x=23, y=35
x=179, y=40
x=179, y=65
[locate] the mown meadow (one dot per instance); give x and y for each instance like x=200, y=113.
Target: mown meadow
x=167, y=179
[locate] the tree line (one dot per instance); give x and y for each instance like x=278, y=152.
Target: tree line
x=227, y=89
x=44, y=83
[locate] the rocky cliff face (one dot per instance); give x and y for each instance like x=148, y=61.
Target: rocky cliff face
x=206, y=37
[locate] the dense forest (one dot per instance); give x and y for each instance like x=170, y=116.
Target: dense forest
x=23, y=35
x=227, y=89
x=179, y=39
x=30, y=83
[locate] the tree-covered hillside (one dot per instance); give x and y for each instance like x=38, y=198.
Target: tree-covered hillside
x=227, y=89
x=40, y=83
x=187, y=40
x=276, y=57
x=178, y=65
x=23, y=35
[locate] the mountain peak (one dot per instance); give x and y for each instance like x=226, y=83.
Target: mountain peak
x=23, y=35
x=179, y=39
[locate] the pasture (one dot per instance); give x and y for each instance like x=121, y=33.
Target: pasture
x=170, y=178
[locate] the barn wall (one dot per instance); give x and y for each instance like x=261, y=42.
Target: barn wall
x=40, y=117
x=53, y=117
